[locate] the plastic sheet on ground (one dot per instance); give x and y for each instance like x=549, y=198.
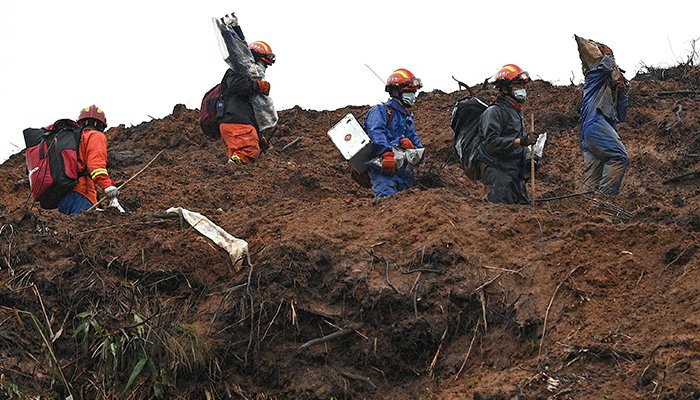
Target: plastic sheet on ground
x=236, y=248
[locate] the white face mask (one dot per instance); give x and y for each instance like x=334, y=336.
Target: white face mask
x=408, y=99
x=520, y=95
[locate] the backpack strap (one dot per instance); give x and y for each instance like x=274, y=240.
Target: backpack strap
x=389, y=114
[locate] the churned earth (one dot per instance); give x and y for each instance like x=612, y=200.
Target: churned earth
x=431, y=294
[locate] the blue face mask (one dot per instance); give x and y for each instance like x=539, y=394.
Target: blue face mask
x=408, y=99
x=520, y=95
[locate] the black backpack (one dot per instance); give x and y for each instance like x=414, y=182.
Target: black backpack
x=465, y=124
x=52, y=161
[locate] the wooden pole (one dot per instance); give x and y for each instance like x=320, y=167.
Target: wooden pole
x=127, y=181
x=532, y=161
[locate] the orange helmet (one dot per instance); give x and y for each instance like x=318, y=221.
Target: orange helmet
x=262, y=51
x=510, y=73
x=93, y=112
x=403, y=80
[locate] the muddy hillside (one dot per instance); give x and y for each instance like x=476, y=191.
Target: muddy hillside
x=431, y=294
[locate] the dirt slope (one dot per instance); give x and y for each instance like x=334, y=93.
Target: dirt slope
x=439, y=294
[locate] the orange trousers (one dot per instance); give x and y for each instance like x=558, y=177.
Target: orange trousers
x=241, y=140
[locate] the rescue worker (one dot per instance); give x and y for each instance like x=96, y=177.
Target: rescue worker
x=239, y=129
x=92, y=161
x=605, y=158
x=503, y=139
x=391, y=128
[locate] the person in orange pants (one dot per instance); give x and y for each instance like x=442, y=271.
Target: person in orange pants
x=239, y=129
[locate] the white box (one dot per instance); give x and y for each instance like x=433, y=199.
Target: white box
x=352, y=141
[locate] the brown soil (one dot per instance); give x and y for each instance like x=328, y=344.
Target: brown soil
x=445, y=296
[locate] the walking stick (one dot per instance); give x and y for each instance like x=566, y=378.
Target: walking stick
x=127, y=181
x=532, y=161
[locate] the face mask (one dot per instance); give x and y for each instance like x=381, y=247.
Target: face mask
x=408, y=99
x=520, y=95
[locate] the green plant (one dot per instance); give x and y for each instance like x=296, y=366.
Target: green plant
x=9, y=390
x=122, y=356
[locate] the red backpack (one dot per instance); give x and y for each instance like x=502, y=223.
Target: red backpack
x=211, y=112
x=52, y=161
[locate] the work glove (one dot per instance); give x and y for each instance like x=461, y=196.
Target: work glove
x=405, y=143
x=115, y=203
x=388, y=163
x=111, y=192
x=264, y=87
x=528, y=139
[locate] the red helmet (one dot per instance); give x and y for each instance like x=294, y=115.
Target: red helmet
x=262, y=51
x=93, y=112
x=510, y=73
x=403, y=80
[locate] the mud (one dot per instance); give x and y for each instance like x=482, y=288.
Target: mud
x=444, y=295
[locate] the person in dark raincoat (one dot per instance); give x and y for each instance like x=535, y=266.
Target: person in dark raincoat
x=503, y=139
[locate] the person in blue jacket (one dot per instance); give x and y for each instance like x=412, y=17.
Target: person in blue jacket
x=604, y=105
x=389, y=126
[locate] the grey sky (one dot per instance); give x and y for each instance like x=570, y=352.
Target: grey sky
x=137, y=59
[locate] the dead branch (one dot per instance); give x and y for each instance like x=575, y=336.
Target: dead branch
x=681, y=177
x=292, y=143
x=388, y=281
x=272, y=322
x=431, y=369
x=482, y=300
x=674, y=92
x=510, y=271
x=546, y=315
x=466, y=357
x=326, y=338
x=565, y=196
x=103, y=199
x=413, y=271
x=357, y=378
x=487, y=283
x=160, y=221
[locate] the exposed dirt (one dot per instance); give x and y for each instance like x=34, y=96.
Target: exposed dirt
x=444, y=295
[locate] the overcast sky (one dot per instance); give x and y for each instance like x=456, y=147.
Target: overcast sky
x=138, y=59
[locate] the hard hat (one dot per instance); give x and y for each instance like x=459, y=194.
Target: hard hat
x=262, y=51
x=403, y=80
x=93, y=112
x=510, y=73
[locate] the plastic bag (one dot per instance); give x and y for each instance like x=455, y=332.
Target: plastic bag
x=406, y=159
x=235, y=51
x=539, y=147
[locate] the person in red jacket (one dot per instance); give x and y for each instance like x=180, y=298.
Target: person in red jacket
x=239, y=129
x=92, y=162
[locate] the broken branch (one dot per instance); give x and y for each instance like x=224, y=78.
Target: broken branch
x=681, y=177
x=546, y=315
x=357, y=378
x=388, y=281
x=102, y=200
x=292, y=143
x=326, y=338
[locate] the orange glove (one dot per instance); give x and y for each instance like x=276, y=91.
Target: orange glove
x=264, y=87
x=388, y=163
x=405, y=143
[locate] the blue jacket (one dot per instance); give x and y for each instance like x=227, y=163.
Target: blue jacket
x=383, y=136
x=600, y=98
